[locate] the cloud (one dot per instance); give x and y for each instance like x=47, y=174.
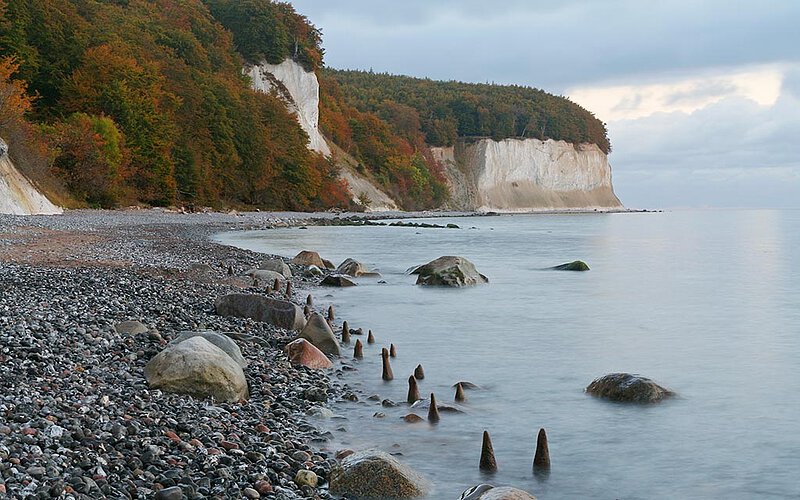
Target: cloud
x=554, y=45
x=734, y=152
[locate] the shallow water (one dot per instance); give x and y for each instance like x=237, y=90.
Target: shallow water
x=704, y=302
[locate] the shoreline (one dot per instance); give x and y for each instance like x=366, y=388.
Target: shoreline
x=77, y=415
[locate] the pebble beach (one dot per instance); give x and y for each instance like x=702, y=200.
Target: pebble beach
x=77, y=417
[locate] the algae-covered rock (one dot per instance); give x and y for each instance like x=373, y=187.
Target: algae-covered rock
x=449, y=271
x=576, y=265
x=627, y=388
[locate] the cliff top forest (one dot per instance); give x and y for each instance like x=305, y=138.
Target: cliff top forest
x=112, y=102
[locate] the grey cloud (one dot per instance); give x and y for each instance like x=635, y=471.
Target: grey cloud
x=732, y=153
x=553, y=45
x=700, y=93
x=629, y=103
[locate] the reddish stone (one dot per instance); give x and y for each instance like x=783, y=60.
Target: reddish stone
x=214, y=451
x=2, y=489
x=262, y=428
x=196, y=443
x=228, y=445
x=303, y=352
x=343, y=453
x=263, y=487
x=29, y=431
x=173, y=437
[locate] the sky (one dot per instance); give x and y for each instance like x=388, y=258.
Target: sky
x=701, y=98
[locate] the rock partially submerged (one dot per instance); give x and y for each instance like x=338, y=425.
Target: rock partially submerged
x=449, y=271
x=374, y=474
x=337, y=280
x=628, y=388
x=280, y=313
x=576, y=265
x=352, y=267
x=309, y=258
x=302, y=352
x=220, y=340
x=318, y=332
x=489, y=492
x=197, y=368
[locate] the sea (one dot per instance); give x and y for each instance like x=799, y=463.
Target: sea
x=704, y=302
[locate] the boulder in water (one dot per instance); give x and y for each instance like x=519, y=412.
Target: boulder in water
x=577, y=265
x=198, y=368
x=220, y=340
x=302, y=352
x=627, y=388
x=489, y=492
x=337, y=280
x=352, y=267
x=309, y=258
x=375, y=474
x=318, y=332
x=280, y=313
x=449, y=271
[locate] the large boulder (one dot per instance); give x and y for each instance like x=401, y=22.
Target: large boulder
x=627, y=388
x=449, y=271
x=337, y=280
x=220, y=340
x=280, y=313
x=309, y=258
x=265, y=275
x=576, y=265
x=198, y=368
x=318, y=332
x=375, y=474
x=352, y=267
x=276, y=265
x=302, y=352
x=489, y=492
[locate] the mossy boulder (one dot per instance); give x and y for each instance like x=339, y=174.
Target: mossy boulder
x=449, y=271
x=628, y=388
x=576, y=265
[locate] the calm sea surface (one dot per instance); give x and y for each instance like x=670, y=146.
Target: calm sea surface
x=706, y=303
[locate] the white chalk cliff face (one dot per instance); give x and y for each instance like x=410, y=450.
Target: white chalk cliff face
x=518, y=175
x=17, y=195
x=299, y=89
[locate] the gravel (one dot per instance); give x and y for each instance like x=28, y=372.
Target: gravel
x=77, y=417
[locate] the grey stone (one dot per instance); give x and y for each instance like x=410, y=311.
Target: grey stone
x=337, y=280
x=318, y=332
x=131, y=327
x=220, y=340
x=280, y=313
x=276, y=265
x=198, y=368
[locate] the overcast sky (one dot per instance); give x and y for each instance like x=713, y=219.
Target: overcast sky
x=701, y=98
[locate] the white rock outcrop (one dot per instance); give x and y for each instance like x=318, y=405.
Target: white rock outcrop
x=17, y=195
x=299, y=89
x=519, y=175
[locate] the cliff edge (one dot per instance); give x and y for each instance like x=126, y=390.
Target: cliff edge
x=525, y=175
x=17, y=195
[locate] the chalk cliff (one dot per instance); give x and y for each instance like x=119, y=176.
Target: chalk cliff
x=17, y=195
x=520, y=175
x=299, y=89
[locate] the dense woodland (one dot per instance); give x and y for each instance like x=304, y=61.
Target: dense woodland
x=111, y=102
x=444, y=111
